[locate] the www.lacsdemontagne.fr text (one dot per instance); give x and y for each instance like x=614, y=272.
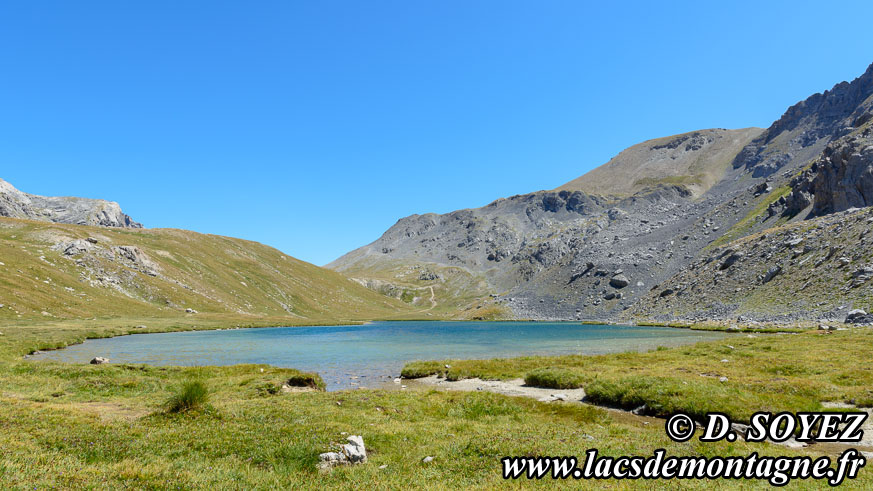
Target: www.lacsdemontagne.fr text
x=778, y=471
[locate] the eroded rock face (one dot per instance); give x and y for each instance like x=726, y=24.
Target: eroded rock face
x=78, y=211
x=844, y=176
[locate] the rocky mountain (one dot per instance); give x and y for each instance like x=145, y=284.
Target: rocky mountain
x=81, y=211
x=596, y=247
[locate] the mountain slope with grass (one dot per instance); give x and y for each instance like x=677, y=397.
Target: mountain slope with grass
x=60, y=271
x=696, y=160
x=595, y=247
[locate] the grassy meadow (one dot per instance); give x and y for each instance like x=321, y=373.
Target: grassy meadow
x=72, y=426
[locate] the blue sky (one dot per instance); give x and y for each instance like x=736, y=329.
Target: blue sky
x=314, y=126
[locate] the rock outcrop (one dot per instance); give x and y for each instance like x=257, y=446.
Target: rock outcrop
x=78, y=211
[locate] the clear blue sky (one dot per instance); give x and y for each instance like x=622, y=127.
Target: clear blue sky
x=313, y=126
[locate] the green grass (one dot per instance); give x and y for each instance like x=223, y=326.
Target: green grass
x=305, y=379
x=81, y=426
x=554, y=378
x=746, y=225
x=780, y=372
x=193, y=395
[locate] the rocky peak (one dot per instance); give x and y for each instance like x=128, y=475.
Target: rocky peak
x=78, y=211
x=806, y=127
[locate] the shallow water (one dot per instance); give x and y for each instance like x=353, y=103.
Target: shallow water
x=375, y=352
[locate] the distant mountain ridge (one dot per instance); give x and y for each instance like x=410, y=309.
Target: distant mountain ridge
x=77, y=211
x=696, y=160
x=597, y=246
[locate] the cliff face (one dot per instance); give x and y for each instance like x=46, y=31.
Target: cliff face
x=78, y=211
x=801, y=134
x=844, y=175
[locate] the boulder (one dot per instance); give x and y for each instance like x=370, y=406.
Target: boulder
x=190, y=311
x=771, y=273
x=619, y=281
x=859, y=316
x=727, y=263
x=99, y=360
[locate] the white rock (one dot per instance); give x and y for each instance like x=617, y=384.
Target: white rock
x=354, y=450
x=722, y=379
x=397, y=381
x=330, y=459
x=383, y=466
x=560, y=397
x=427, y=460
x=99, y=360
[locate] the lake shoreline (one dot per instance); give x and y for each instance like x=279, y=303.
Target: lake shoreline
x=349, y=355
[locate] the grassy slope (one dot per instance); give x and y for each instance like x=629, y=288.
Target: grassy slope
x=458, y=293
x=642, y=165
x=205, y=272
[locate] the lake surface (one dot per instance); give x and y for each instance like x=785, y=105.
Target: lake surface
x=375, y=352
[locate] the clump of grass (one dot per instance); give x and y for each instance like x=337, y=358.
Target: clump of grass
x=305, y=379
x=554, y=378
x=419, y=369
x=193, y=396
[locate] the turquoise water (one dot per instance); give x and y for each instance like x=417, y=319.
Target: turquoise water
x=375, y=352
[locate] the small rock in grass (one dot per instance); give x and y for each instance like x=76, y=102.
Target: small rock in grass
x=722, y=379
x=140, y=327
x=330, y=459
x=383, y=466
x=427, y=460
x=725, y=360
x=99, y=360
x=354, y=450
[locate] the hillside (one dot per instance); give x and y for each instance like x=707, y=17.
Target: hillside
x=817, y=268
x=593, y=248
x=696, y=160
x=81, y=211
x=60, y=271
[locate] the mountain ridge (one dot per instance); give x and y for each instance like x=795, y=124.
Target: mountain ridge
x=62, y=209
x=562, y=254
